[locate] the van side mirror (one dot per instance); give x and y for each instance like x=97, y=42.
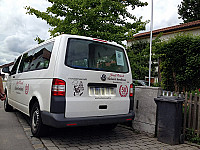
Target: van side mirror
x=6, y=70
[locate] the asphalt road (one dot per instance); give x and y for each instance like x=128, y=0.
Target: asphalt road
x=12, y=135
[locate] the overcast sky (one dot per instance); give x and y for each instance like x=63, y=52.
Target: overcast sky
x=18, y=29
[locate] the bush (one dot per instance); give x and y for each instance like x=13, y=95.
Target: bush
x=180, y=62
x=191, y=136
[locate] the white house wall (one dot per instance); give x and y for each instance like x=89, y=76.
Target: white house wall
x=167, y=36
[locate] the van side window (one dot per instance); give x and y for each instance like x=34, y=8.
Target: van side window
x=41, y=57
x=36, y=59
x=26, y=62
x=14, y=68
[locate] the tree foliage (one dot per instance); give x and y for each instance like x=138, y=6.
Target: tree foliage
x=138, y=57
x=138, y=54
x=189, y=10
x=39, y=40
x=180, y=62
x=105, y=19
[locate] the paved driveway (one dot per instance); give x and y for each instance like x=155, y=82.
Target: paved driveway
x=85, y=138
x=12, y=135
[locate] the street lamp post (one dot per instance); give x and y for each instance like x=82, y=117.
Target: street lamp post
x=151, y=28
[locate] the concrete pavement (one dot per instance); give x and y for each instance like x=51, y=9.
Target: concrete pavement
x=12, y=136
x=15, y=134
x=88, y=138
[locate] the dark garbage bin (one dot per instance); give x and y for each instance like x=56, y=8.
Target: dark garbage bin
x=169, y=119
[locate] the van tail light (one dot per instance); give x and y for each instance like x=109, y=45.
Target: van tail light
x=58, y=87
x=129, y=119
x=131, y=90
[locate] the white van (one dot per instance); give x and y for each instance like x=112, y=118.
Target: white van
x=71, y=80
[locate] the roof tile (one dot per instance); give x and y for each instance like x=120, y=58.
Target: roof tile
x=176, y=27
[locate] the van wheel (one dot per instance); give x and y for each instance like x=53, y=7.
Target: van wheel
x=7, y=107
x=38, y=129
x=108, y=126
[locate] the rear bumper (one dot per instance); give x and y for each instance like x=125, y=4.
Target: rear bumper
x=59, y=121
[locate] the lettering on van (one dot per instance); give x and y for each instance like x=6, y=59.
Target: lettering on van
x=116, y=77
x=121, y=79
x=20, y=83
x=19, y=87
x=102, y=97
x=111, y=78
x=123, y=91
x=77, y=78
x=117, y=82
x=9, y=88
x=78, y=88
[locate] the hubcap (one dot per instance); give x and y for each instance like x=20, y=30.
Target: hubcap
x=35, y=119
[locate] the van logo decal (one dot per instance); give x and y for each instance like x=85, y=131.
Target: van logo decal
x=103, y=77
x=78, y=88
x=26, y=88
x=123, y=91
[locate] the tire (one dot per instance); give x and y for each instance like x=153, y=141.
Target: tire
x=7, y=107
x=38, y=129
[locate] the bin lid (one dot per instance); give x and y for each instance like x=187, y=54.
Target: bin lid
x=170, y=99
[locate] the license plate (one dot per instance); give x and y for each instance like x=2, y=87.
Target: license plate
x=101, y=91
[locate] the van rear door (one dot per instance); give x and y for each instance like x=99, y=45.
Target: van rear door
x=98, y=78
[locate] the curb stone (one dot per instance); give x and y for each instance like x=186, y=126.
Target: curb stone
x=36, y=142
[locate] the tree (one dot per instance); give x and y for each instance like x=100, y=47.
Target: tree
x=189, y=10
x=105, y=19
x=138, y=54
x=39, y=40
x=180, y=62
x=138, y=57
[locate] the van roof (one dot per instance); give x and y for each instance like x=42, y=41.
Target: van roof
x=90, y=38
x=74, y=36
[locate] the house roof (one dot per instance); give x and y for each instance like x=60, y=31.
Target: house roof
x=177, y=28
x=7, y=65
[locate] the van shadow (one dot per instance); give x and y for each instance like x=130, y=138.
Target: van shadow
x=95, y=135
x=91, y=135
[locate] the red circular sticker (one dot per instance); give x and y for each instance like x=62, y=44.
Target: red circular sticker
x=123, y=91
x=26, y=88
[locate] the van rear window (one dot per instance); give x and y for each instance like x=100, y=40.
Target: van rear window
x=86, y=54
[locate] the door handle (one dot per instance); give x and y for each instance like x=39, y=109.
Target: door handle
x=13, y=76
